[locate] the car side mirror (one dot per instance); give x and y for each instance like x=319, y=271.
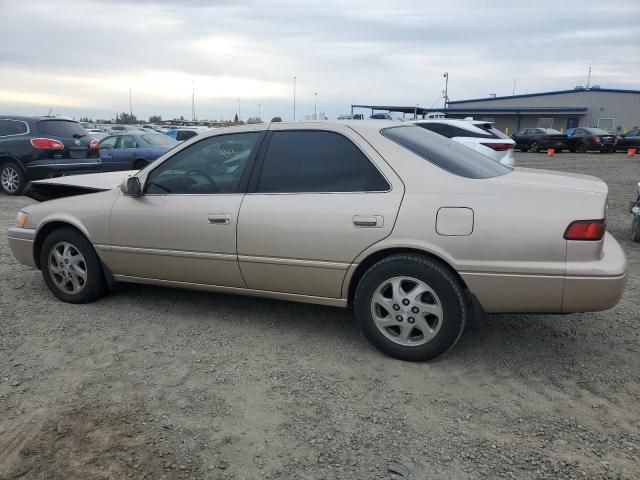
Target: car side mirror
x=131, y=186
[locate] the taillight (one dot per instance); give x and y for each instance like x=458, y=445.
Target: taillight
x=94, y=145
x=596, y=139
x=46, y=143
x=500, y=147
x=586, y=230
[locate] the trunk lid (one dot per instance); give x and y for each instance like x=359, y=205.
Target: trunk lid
x=551, y=179
x=74, y=137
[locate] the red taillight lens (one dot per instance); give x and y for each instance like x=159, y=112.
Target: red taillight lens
x=596, y=139
x=500, y=147
x=586, y=230
x=94, y=145
x=46, y=143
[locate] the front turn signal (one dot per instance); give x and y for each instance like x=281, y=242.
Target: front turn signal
x=21, y=219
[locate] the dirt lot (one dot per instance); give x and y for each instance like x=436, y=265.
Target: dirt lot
x=158, y=383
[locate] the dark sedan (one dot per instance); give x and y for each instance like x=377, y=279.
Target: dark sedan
x=631, y=139
x=133, y=151
x=536, y=139
x=592, y=139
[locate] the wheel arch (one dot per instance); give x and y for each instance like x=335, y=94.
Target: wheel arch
x=45, y=230
x=7, y=157
x=354, y=276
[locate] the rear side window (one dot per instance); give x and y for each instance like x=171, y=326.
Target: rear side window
x=446, y=154
x=317, y=161
x=12, y=127
x=61, y=128
x=439, y=128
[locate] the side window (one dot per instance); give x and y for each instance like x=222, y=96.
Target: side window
x=441, y=128
x=108, y=142
x=579, y=131
x=213, y=165
x=317, y=161
x=127, y=141
x=12, y=127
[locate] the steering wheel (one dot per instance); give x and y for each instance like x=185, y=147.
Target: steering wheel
x=205, y=176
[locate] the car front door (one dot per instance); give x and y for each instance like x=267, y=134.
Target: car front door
x=317, y=198
x=183, y=227
x=126, y=151
x=107, y=149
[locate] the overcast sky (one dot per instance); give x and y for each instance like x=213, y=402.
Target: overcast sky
x=81, y=57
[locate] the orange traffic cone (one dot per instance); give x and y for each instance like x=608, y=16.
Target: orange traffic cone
x=551, y=152
x=632, y=152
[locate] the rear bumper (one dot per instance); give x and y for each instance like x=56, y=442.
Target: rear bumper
x=21, y=242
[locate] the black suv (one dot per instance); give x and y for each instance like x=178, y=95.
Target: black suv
x=536, y=139
x=32, y=148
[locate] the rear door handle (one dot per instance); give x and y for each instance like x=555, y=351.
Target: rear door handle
x=371, y=221
x=220, y=218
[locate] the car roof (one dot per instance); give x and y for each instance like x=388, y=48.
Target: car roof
x=453, y=121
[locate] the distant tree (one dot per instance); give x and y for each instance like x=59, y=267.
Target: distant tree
x=126, y=118
x=181, y=117
x=276, y=119
x=235, y=119
x=155, y=119
x=86, y=119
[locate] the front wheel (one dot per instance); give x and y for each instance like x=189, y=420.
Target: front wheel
x=12, y=180
x=534, y=147
x=635, y=229
x=71, y=268
x=411, y=307
x=582, y=149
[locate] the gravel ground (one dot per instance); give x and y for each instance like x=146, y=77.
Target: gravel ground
x=158, y=383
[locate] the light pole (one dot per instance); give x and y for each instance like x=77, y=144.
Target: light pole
x=259, y=112
x=446, y=89
x=193, y=101
x=294, y=99
x=238, y=110
x=130, y=106
x=315, y=109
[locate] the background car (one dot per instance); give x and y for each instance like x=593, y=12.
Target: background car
x=536, y=139
x=631, y=139
x=635, y=211
x=380, y=116
x=569, y=131
x=412, y=229
x=32, y=148
x=133, y=151
x=475, y=134
x=181, y=134
x=589, y=139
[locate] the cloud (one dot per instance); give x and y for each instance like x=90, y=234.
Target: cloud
x=85, y=55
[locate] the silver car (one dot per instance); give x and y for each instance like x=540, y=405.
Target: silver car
x=412, y=230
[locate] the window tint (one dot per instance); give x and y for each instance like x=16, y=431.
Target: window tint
x=182, y=135
x=108, y=142
x=61, y=128
x=316, y=161
x=127, y=141
x=212, y=165
x=446, y=154
x=440, y=128
x=12, y=127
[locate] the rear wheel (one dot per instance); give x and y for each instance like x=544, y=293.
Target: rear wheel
x=534, y=147
x=582, y=148
x=411, y=307
x=635, y=229
x=71, y=268
x=12, y=180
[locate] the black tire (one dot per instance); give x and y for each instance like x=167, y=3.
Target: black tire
x=12, y=178
x=582, y=148
x=449, y=291
x=534, y=147
x=140, y=164
x=94, y=287
x=635, y=229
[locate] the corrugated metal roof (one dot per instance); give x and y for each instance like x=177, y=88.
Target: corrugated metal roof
x=542, y=94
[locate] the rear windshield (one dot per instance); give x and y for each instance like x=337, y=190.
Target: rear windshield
x=160, y=139
x=495, y=131
x=61, y=128
x=550, y=131
x=446, y=154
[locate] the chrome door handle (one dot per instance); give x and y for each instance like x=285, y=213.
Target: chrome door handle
x=220, y=218
x=371, y=221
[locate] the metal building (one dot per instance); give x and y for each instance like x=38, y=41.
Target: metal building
x=611, y=109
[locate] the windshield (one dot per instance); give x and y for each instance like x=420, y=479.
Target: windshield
x=446, y=154
x=160, y=140
x=61, y=128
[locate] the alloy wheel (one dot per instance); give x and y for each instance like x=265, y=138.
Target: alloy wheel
x=10, y=179
x=534, y=147
x=407, y=311
x=68, y=268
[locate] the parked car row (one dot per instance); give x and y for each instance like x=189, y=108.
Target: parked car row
x=579, y=139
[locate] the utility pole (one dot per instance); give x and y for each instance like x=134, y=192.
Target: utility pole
x=238, y=110
x=130, y=106
x=315, y=109
x=514, y=87
x=589, y=77
x=259, y=112
x=193, y=101
x=294, y=99
x=446, y=89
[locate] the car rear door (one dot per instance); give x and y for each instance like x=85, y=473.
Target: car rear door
x=317, y=198
x=76, y=154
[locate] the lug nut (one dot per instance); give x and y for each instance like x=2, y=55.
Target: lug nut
x=411, y=320
x=396, y=307
x=399, y=318
x=405, y=302
x=415, y=309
